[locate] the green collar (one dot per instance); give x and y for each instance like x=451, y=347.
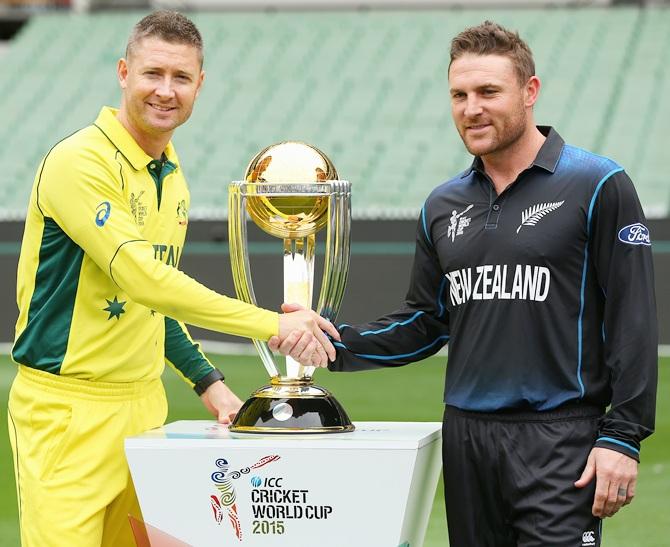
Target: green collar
x=159, y=169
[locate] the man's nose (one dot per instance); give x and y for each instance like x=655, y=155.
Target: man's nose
x=165, y=88
x=472, y=106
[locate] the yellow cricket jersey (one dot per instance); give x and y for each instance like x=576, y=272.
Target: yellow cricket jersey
x=99, y=293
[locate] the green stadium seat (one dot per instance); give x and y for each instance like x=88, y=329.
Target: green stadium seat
x=369, y=88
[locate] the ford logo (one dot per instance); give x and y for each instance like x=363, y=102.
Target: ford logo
x=635, y=234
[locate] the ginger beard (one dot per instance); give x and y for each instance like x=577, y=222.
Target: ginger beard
x=490, y=134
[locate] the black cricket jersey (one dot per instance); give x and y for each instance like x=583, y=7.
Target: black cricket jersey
x=544, y=293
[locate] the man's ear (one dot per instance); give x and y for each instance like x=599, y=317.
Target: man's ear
x=122, y=72
x=201, y=79
x=532, y=91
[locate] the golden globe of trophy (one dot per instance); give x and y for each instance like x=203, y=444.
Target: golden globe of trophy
x=291, y=191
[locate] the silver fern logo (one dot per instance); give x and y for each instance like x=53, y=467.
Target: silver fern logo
x=533, y=215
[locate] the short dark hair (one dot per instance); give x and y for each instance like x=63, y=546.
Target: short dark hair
x=490, y=38
x=170, y=26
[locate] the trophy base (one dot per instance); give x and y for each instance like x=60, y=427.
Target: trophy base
x=294, y=406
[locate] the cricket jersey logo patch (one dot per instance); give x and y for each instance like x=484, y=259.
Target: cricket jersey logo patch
x=102, y=213
x=182, y=213
x=458, y=222
x=533, y=215
x=137, y=208
x=635, y=234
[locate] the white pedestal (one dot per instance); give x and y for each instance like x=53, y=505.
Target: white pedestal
x=208, y=487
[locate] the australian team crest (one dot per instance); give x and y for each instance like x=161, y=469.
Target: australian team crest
x=225, y=504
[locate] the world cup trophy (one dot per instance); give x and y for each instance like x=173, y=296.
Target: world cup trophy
x=291, y=191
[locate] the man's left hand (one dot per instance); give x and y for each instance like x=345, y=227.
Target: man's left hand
x=616, y=477
x=221, y=402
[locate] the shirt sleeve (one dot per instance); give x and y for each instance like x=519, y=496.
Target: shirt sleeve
x=622, y=255
x=85, y=198
x=418, y=329
x=183, y=354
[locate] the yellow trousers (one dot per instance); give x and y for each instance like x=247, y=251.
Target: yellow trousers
x=73, y=484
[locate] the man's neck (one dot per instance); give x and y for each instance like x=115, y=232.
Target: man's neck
x=154, y=146
x=504, y=166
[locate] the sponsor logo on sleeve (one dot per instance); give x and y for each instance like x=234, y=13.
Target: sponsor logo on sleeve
x=635, y=234
x=102, y=212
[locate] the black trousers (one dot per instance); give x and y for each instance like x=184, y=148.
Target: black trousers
x=508, y=478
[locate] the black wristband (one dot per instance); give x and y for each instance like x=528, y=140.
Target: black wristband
x=207, y=380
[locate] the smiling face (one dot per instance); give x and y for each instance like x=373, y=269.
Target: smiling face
x=160, y=82
x=491, y=109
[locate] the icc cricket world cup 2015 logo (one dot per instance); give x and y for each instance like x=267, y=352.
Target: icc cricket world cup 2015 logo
x=225, y=502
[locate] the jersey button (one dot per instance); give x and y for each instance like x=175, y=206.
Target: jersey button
x=496, y=207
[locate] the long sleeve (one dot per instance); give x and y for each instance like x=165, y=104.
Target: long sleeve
x=418, y=329
x=621, y=248
x=184, y=354
x=86, y=200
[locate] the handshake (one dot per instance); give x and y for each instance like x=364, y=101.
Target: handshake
x=302, y=336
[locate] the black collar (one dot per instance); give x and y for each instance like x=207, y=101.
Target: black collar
x=547, y=157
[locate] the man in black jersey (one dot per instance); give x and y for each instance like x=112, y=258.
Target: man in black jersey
x=535, y=265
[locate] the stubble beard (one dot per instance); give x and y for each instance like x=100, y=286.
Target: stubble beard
x=512, y=130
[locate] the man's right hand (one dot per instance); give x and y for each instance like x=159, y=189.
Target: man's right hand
x=301, y=335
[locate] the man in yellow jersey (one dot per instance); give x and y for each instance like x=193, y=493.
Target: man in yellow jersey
x=103, y=304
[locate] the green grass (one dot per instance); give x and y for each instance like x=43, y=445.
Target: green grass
x=412, y=393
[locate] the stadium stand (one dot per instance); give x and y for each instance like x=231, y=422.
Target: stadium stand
x=369, y=88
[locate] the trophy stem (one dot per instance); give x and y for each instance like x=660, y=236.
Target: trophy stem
x=299, y=287
x=239, y=261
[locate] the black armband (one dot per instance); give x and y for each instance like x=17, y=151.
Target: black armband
x=214, y=376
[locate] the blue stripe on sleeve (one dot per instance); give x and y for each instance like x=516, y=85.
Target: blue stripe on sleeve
x=393, y=325
x=621, y=443
x=391, y=357
x=440, y=305
x=425, y=229
x=584, y=269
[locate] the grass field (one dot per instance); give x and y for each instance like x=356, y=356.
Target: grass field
x=411, y=393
